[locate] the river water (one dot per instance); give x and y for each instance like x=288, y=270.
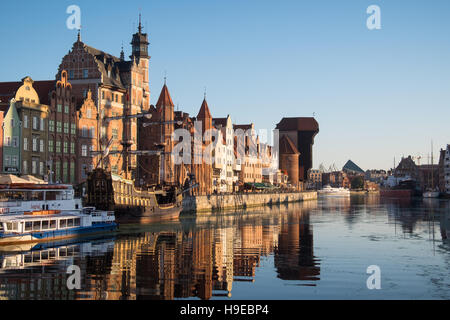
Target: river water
x=311, y=250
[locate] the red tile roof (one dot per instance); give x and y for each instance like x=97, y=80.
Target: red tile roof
x=164, y=98
x=204, y=111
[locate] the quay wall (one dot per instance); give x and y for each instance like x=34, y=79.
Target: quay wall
x=218, y=202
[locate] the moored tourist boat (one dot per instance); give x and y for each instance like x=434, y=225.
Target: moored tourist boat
x=32, y=213
x=51, y=225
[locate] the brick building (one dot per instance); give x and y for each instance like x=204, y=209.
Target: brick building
x=301, y=132
x=289, y=160
x=119, y=88
x=62, y=132
x=88, y=136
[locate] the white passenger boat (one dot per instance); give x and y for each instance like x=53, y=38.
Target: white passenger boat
x=328, y=190
x=35, y=213
x=431, y=194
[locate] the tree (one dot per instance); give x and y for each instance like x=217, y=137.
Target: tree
x=358, y=183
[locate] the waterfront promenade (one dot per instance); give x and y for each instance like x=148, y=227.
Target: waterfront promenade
x=236, y=201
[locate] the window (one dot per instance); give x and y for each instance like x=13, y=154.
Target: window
x=42, y=124
x=35, y=143
x=25, y=121
x=14, y=161
x=51, y=125
x=84, y=150
x=36, y=225
x=72, y=171
x=92, y=132
x=28, y=226
x=57, y=170
x=65, y=171
x=89, y=113
x=69, y=223
x=52, y=224
x=66, y=127
x=25, y=166
x=45, y=224
x=59, y=107
x=15, y=143
x=58, y=126
x=71, y=74
x=72, y=147
x=41, y=168
x=115, y=133
x=50, y=145
x=58, y=146
x=66, y=147
x=41, y=145
x=8, y=141
x=35, y=123
x=66, y=108
x=77, y=222
x=7, y=160
x=12, y=123
x=85, y=73
x=103, y=94
x=62, y=223
x=84, y=132
x=34, y=163
x=73, y=129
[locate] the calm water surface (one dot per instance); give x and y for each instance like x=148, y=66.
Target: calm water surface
x=313, y=250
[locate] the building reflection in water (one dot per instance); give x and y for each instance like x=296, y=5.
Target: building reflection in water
x=200, y=259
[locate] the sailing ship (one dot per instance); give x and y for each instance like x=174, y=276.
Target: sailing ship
x=432, y=191
x=109, y=191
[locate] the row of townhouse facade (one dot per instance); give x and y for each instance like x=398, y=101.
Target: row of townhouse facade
x=43, y=130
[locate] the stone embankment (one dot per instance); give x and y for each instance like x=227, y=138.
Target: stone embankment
x=219, y=202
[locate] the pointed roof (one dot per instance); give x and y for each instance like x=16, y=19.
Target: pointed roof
x=287, y=146
x=204, y=111
x=352, y=167
x=164, y=98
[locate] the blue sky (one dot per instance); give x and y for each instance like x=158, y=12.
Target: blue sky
x=377, y=94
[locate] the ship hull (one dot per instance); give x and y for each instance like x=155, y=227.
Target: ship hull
x=47, y=236
x=131, y=215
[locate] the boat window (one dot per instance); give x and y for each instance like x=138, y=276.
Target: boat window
x=12, y=226
x=69, y=222
x=45, y=224
x=63, y=252
x=28, y=226
x=62, y=223
x=27, y=258
x=52, y=224
x=52, y=254
x=36, y=257
x=44, y=254
x=76, y=222
x=36, y=225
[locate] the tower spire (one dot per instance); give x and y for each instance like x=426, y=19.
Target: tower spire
x=79, y=35
x=122, y=54
x=140, y=24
